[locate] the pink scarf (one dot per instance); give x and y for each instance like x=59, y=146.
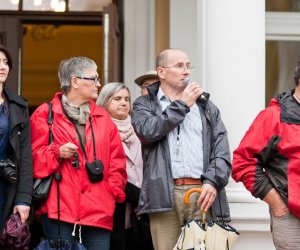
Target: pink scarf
x=125, y=129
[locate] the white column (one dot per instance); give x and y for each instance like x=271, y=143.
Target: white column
x=139, y=41
x=226, y=42
x=235, y=61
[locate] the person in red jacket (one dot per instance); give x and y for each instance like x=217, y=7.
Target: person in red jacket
x=267, y=162
x=85, y=138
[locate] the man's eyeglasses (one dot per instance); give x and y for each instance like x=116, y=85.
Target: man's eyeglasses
x=181, y=67
x=94, y=79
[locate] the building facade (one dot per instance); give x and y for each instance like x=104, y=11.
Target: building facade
x=243, y=50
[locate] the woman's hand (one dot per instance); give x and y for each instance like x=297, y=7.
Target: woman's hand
x=23, y=210
x=66, y=151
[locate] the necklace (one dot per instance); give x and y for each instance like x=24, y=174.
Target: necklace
x=294, y=95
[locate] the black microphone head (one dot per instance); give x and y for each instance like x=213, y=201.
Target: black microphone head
x=187, y=80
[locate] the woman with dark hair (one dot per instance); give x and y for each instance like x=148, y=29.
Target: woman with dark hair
x=86, y=152
x=15, y=149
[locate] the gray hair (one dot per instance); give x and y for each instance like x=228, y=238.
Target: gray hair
x=74, y=66
x=108, y=91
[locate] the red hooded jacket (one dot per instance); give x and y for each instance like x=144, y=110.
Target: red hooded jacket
x=81, y=201
x=269, y=154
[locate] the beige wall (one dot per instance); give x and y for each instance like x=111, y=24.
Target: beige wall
x=162, y=8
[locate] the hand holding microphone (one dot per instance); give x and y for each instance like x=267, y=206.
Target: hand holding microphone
x=191, y=93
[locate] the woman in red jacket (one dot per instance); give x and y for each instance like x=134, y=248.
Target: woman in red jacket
x=84, y=137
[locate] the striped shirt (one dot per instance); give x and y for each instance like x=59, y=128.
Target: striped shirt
x=185, y=143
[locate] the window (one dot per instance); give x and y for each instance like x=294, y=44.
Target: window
x=9, y=4
x=44, y=5
x=281, y=59
x=283, y=5
x=55, y=5
x=282, y=45
x=87, y=5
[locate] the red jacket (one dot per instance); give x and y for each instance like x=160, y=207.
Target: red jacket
x=80, y=201
x=269, y=154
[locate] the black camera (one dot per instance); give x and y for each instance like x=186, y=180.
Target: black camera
x=75, y=162
x=95, y=170
x=8, y=170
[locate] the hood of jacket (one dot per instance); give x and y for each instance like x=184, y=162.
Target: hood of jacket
x=289, y=107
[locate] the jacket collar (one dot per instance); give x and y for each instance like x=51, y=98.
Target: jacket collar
x=11, y=97
x=153, y=89
x=290, y=108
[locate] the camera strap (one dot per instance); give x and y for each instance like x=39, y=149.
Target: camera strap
x=50, y=123
x=81, y=143
x=79, y=135
x=93, y=136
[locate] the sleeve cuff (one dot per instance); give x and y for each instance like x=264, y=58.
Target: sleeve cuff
x=266, y=190
x=118, y=194
x=55, y=148
x=206, y=181
x=22, y=204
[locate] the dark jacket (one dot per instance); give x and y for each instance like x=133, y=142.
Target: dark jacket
x=19, y=152
x=268, y=155
x=152, y=125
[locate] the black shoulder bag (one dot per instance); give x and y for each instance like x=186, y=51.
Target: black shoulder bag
x=41, y=187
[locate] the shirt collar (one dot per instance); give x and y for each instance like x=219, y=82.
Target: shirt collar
x=161, y=95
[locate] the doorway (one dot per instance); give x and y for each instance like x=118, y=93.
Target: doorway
x=38, y=41
x=44, y=46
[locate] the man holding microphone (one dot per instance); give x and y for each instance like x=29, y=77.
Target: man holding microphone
x=185, y=145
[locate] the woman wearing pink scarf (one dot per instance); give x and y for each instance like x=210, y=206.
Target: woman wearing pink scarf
x=115, y=98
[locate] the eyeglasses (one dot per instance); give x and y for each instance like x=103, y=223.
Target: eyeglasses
x=181, y=67
x=94, y=79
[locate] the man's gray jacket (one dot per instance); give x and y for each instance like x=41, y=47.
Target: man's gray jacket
x=152, y=126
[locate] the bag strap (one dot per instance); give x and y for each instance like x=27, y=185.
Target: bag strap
x=50, y=122
x=57, y=176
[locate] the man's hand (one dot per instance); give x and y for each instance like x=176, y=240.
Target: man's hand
x=276, y=204
x=23, y=210
x=191, y=93
x=207, y=197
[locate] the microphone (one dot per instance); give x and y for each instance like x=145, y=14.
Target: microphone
x=188, y=81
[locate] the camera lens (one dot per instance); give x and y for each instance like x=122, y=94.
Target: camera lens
x=8, y=170
x=9, y=174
